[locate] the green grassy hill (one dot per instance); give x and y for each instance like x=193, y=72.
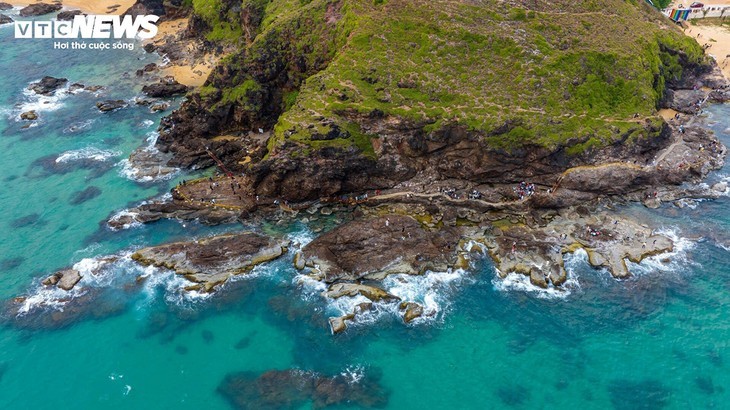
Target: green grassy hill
x=549, y=73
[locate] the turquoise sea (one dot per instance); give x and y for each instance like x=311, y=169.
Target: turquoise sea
x=659, y=340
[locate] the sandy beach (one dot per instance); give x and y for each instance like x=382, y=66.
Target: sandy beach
x=716, y=38
x=196, y=72
x=90, y=6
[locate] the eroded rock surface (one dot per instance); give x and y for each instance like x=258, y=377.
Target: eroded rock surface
x=373, y=248
x=537, y=251
x=211, y=261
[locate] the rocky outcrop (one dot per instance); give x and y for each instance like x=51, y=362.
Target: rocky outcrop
x=411, y=311
x=29, y=115
x=48, y=85
x=5, y=19
x=110, y=105
x=372, y=248
x=167, y=87
x=5, y=6
x=65, y=279
x=210, y=262
x=537, y=250
x=68, y=15
x=685, y=101
x=373, y=293
x=39, y=9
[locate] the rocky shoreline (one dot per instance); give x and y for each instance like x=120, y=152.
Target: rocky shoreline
x=425, y=202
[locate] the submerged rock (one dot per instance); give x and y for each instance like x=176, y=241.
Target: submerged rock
x=110, y=105
x=47, y=85
x=293, y=388
x=86, y=195
x=39, y=9
x=211, y=261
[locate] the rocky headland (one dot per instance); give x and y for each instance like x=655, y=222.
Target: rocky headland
x=516, y=136
x=529, y=183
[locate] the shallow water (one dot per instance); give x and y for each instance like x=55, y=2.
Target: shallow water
x=659, y=340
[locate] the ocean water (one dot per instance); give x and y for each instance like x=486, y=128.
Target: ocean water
x=659, y=340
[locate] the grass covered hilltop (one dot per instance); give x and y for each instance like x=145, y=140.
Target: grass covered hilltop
x=551, y=73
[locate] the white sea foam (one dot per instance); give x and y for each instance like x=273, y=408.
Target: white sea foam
x=79, y=126
x=173, y=284
x=110, y=271
x=146, y=124
x=39, y=103
x=88, y=153
x=353, y=374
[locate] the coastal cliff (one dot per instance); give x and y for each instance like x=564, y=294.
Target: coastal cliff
x=361, y=95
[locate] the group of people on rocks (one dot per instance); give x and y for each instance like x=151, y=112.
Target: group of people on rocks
x=524, y=190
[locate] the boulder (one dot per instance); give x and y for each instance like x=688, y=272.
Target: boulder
x=412, y=311
x=167, y=87
x=338, y=325
x=110, y=105
x=29, y=115
x=159, y=107
x=5, y=19
x=65, y=279
x=39, y=9
x=5, y=6
x=48, y=85
x=68, y=15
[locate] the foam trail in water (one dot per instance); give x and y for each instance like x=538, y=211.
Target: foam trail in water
x=79, y=126
x=88, y=153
